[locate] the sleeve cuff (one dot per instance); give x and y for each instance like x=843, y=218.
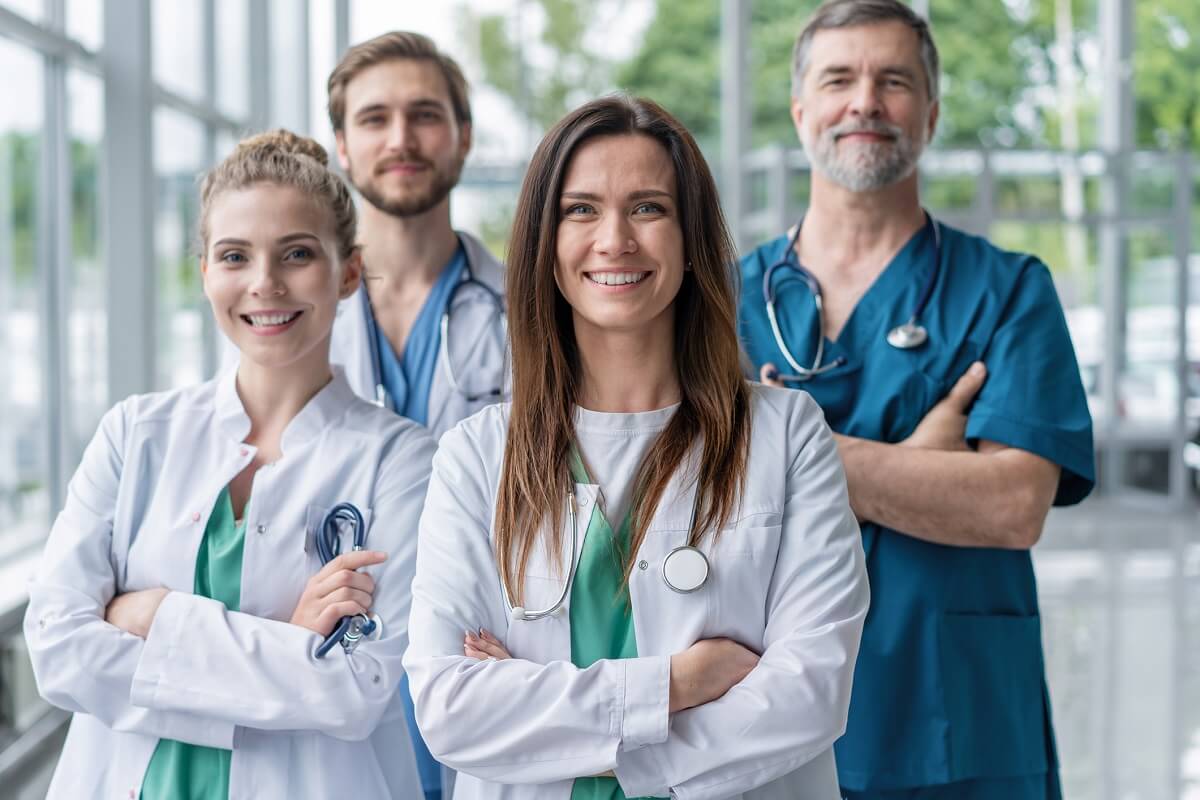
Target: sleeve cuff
x=640, y=774
x=646, y=706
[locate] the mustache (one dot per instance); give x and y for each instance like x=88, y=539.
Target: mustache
x=877, y=127
x=387, y=164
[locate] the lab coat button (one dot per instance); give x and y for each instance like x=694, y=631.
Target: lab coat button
x=261, y=529
x=583, y=501
x=376, y=679
x=643, y=564
x=243, y=452
x=195, y=516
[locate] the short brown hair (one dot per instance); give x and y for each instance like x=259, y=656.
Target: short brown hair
x=391, y=47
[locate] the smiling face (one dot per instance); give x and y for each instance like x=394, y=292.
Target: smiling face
x=864, y=114
x=401, y=144
x=273, y=275
x=620, y=258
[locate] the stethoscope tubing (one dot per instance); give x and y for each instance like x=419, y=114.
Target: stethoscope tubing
x=789, y=260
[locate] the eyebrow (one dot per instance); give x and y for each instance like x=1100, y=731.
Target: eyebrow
x=291, y=237
x=420, y=102
x=640, y=194
x=841, y=69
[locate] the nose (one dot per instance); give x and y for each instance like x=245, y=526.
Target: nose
x=865, y=101
x=399, y=135
x=267, y=280
x=614, y=236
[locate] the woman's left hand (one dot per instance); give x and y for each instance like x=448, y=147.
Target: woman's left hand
x=483, y=646
x=133, y=612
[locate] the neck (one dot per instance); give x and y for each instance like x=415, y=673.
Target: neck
x=628, y=371
x=404, y=250
x=843, y=227
x=273, y=396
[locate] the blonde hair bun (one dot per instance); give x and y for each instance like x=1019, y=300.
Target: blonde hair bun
x=282, y=141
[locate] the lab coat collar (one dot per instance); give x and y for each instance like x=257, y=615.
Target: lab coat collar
x=323, y=410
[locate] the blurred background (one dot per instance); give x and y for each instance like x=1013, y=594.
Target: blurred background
x=1069, y=128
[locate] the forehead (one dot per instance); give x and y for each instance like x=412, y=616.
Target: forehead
x=620, y=163
x=397, y=83
x=874, y=45
x=265, y=212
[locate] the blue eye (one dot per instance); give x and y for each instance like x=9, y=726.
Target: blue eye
x=649, y=208
x=577, y=209
x=233, y=257
x=301, y=253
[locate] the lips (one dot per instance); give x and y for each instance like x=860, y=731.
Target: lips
x=273, y=319
x=616, y=278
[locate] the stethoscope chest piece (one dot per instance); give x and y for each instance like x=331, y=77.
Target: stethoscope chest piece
x=685, y=569
x=907, y=336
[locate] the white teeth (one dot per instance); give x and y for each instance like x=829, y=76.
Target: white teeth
x=263, y=320
x=616, y=278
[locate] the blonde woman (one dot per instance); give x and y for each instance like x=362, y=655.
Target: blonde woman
x=181, y=604
x=654, y=562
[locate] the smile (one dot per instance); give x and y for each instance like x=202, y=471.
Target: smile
x=271, y=320
x=616, y=278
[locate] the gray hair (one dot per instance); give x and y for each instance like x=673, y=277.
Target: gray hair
x=850, y=13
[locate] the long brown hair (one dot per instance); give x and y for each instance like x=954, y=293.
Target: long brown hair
x=714, y=407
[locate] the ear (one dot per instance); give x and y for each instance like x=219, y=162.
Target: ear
x=352, y=272
x=797, y=115
x=204, y=275
x=343, y=159
x=464, y=139
x=934, y=112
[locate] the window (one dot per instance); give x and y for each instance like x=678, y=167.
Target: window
x=24, y=470
x=178, y=43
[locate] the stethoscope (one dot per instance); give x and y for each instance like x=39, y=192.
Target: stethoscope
x=383, y=397
x=684, y=570
x=350, y=630
x=906, y=336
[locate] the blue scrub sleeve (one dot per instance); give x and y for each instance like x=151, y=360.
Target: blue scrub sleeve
x=1033, y=398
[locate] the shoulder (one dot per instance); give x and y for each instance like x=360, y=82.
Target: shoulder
x=188, y=404
x=779, y=414
x=987, y=260
x=485, y=267
x=755, y=263
x=398, y=435
x=482, y=434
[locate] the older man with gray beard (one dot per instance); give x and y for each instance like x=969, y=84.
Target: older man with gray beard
x=944, y=366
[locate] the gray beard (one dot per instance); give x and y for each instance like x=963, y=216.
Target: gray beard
x=881, y=166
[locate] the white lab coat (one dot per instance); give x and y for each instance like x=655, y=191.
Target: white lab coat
x=135, y=515
x=787, y=580
x=485, y=349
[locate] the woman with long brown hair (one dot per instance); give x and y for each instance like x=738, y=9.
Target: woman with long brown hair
x=654, y=561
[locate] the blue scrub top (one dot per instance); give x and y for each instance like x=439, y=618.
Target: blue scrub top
x=949, y=683
x=407, y=381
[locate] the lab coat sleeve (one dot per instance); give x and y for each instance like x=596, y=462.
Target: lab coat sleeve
x=511, y=721
x=794, y=704
x=261, y=673
x=82, y=663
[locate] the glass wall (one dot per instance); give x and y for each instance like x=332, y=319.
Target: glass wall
x=24, y=457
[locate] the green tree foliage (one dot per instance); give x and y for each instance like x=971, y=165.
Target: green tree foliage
x=1167, y=74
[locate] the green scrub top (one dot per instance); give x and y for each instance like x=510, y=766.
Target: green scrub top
x=601, y=614
x=180, y=771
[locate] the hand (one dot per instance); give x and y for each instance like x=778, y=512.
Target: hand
x=484, y=646
x=768, y=375
x=337, y=591
x=707, y=670
x=944, y=427
x=133, y=612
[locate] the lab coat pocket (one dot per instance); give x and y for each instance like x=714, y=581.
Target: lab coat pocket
x=546, y=639
x=992, y=683
x=666, y=621
x=741, y=562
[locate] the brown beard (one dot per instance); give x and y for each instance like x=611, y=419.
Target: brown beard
x=414, y=205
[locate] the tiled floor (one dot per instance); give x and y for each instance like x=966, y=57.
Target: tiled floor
x=1120, y=597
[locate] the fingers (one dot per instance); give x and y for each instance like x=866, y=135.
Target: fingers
x=345, y=593
x=343, y=579
x=967, y=386
x=768, y=374
x=483, y=645
x=355, y=559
